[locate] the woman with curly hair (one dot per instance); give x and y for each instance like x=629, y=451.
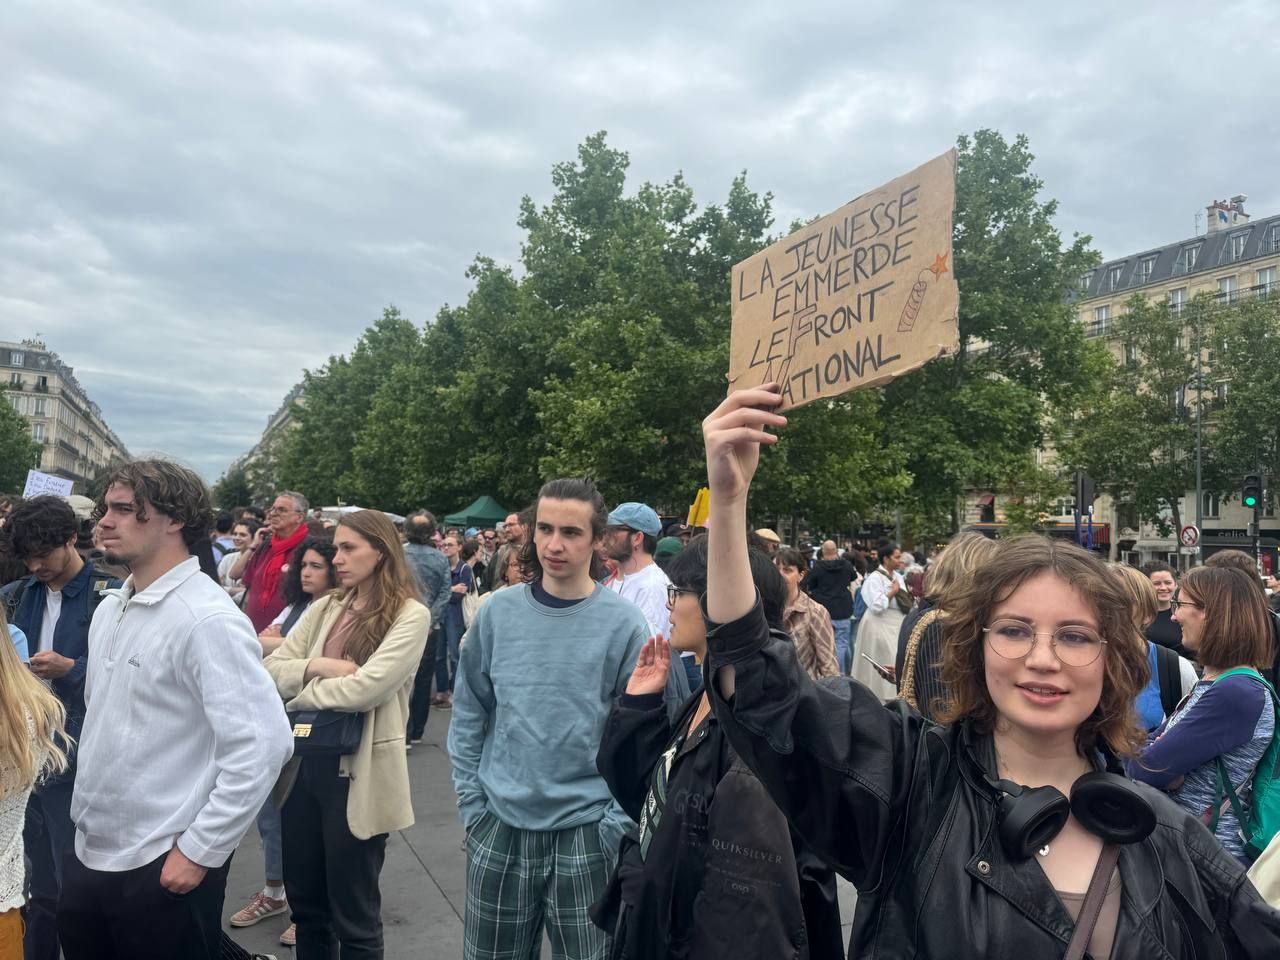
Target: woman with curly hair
x=1007, y=829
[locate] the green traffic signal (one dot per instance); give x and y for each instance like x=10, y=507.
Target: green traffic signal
x=1251, y=490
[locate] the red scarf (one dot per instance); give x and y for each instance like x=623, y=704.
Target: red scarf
x=267, y=585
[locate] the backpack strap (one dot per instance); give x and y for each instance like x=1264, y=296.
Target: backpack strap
x=1170, y=678
x=1224, y=788
x=13, y=598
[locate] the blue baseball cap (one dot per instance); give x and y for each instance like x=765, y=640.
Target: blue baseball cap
x=472, y=531
x=637, y=516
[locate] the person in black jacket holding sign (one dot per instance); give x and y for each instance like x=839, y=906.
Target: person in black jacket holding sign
x=714, y=871
x=988, y=836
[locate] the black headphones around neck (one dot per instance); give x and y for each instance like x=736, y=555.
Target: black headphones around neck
x=1107, y=805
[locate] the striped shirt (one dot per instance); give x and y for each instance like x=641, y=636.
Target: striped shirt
x=1232, y=719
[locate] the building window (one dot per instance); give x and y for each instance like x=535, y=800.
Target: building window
x=1268, y=506
x=1131, y=354
x=1085, y=281
x=1273, y=239
x=39, y=411
x=1127, y=516
x=37, y=432
x=1179, y=399
x=1237, y=246
x=1101, y=320
x=17, y=357
x=1113, y=277
x=1266, y=281
x=1227, y=289
x=15, y=380
x=1178, y=301
x=1146, y=267
x=1209, y=506
x=1066, y=506
x=1187, y=258
x=1220, y=392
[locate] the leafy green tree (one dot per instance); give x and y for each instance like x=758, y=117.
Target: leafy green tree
x=1135, y=435
x=317, y=457
x=18, y=452
x=970, y=420
x=1246, y=425
x=232, y=489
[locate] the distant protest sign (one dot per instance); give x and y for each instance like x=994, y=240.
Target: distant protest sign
x=41, y=483
x=865, y=294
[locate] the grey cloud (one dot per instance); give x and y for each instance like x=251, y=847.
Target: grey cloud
x=200, y=202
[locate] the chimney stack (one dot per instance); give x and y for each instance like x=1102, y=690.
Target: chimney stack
x=1226, y=214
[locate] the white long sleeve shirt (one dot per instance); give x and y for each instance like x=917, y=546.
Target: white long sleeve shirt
x=185, y=733
x=875, y=590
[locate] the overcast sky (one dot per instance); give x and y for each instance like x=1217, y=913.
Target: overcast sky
x=199, y=200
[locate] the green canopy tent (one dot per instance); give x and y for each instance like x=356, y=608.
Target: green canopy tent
x=484, y=512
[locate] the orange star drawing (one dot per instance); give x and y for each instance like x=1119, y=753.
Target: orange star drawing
x=939, y=265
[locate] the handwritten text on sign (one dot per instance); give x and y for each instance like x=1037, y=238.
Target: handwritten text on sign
x=862, y=295
x=39, y=484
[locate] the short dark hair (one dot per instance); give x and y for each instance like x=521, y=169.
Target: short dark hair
x=790, y=557
x=1158, y=566
x=293, y=579
x=222, y=522
x=249, y=521
x=566, y=488
x=174, y=490
x=688, y=570
x=469, y=549
x=37, y=526
x=257, y=513
x=885, y=548
x=420, y=526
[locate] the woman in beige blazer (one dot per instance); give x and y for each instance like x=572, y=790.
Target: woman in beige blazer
x=355, y=651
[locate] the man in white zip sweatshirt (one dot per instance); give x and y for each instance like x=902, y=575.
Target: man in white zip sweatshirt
x=184, y=735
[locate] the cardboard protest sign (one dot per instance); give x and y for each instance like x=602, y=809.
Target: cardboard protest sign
x=41, y=483
x=865, y=294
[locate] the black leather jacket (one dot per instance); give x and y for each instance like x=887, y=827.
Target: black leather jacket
x=900, y=808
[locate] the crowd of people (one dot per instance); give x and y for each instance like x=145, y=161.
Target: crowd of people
x=1008, y=747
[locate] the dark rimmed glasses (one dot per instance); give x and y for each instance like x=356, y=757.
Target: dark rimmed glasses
x=1175, y=604
x=674, y=592
x=1074, y=645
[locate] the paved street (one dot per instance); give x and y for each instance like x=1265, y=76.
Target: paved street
x=424, y=877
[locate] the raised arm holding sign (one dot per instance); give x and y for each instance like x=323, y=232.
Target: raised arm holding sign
x=862, y=295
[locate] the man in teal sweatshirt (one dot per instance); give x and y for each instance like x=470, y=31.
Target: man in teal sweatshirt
x=539, y=671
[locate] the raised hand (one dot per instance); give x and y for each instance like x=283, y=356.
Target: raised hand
x=733, y=434
x=652, y=666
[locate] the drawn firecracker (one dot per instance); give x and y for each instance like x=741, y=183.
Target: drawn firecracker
x=918, y=290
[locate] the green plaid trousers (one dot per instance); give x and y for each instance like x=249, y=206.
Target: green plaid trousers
x=519, y=881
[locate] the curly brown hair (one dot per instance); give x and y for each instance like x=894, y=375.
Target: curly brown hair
x=1114, y=722
x=171, y=488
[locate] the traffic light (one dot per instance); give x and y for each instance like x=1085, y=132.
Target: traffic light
x=1251, y=491
x=1084, y=491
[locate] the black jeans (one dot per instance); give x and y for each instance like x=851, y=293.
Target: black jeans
x=47, y=836
x=420, y=699
x=129, y=916
x=331, y=878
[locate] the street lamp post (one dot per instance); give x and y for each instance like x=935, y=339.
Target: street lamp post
x=1199, y=420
